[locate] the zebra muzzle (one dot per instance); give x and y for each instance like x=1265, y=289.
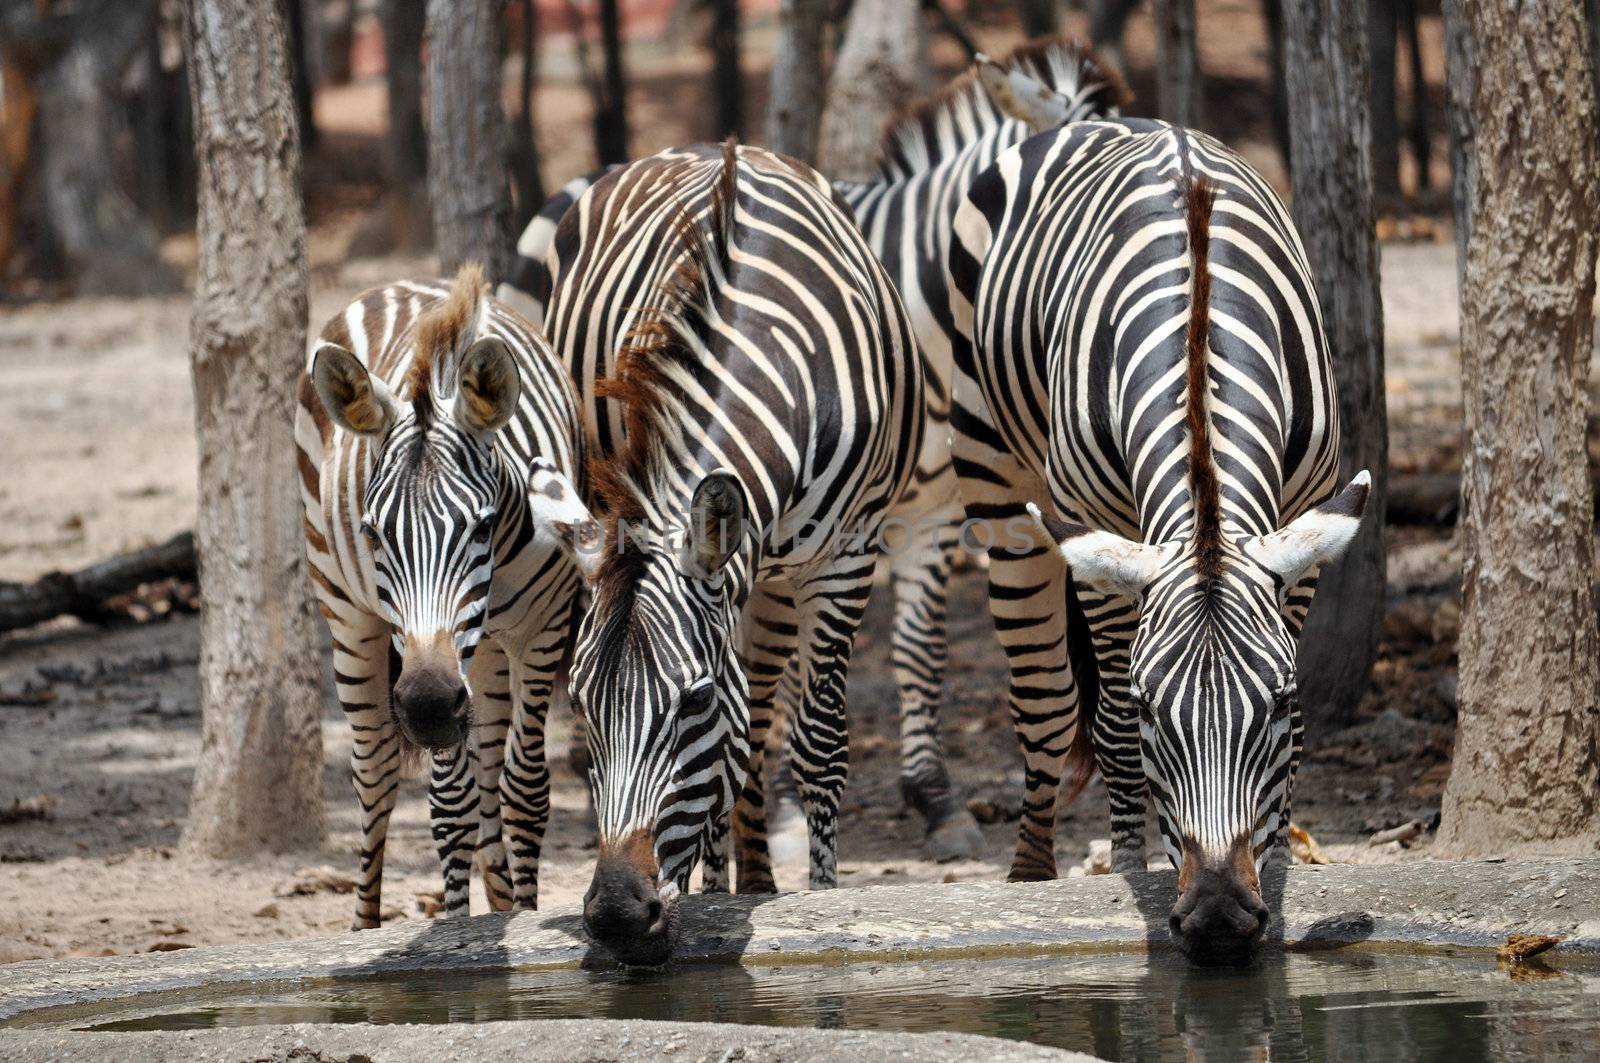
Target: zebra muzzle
x=430, y=698
x=625, y=910
x=1220, y=917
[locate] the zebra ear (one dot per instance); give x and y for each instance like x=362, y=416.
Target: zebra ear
x=1029, y=101
x=487, y=385
x=1101, y=559
x=716, y=524
x=560, y=516
x=356, y=400
x=1315, y=537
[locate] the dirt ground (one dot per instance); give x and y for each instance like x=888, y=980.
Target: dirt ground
x=99, y=728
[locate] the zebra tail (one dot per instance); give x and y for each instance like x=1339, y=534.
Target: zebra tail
x=1080, y=645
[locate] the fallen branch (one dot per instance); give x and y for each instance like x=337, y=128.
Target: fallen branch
x=83, y=593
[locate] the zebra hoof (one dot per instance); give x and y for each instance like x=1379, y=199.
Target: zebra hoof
x=956, y=838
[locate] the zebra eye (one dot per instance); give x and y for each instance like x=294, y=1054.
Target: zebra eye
x=370, y=534
x=698, y=699
x=1284, y=706
x=484, y=528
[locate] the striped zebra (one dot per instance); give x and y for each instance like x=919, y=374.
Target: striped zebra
x=1142, y=365
x=438, y=440
x=749, y=388
x=906, y=214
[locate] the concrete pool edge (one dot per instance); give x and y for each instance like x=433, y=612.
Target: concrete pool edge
x=1435, y=904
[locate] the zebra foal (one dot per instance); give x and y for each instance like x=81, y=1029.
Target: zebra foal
x=1142, y=366
x=437, y=436
x=752, y=397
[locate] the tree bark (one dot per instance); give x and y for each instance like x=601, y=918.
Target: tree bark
x=1325, y=63
x=407, y=143
x=1460, y=61
x=1526, y=769
x=1178, y=86
x=467, y=179
x=1421, y=137
x=794, y=112
x=726, y=85
x=1107, y=21
x=1382, y=27
x=258, y=783
x=881, y=67
x=1039, y=18
x=527, y=169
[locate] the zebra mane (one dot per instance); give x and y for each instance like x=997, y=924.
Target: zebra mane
x=444, y=330
x=1204, y=491
x=662, y=336
x=912, y=143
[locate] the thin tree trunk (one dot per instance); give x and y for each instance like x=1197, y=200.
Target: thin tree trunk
x=527, y=176
x=258, y=783
x=302, y=60
x=1107, y=21
x=1178, y=89
x=1421, y=137
x=881, y=67
x=1272, y=13
x=1382, y=28
x=1526, y=769
x=1039, y=18
x=611, y=112
x=406, y=147
x=467, y=180
x=1460, y=62
x=1325, y=62
x=794, y=112
x=726, y=84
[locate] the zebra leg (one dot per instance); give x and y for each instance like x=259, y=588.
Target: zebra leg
x=829, y=607
x=525, y=782
x=361, y=676
x=1116, y=727
x=491, y=705
x=769, y=632
x=453, y=812
x=919, y=655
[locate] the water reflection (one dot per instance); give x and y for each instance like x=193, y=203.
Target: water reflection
x=1346, y=1005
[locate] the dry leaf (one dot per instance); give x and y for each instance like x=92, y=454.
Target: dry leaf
x=1522, y=947
x=1304, y=848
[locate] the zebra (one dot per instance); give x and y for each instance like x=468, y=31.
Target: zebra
x=752, y=400
x=438, y=439
x=1141, y=366
x=929, y=157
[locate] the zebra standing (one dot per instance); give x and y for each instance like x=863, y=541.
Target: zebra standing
x=428, y=418
x=749, y=387
x=906, y=215
x=1143, y=360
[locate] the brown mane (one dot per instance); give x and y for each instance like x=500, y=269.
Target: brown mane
x=442, y=329
x=660, y=337
x=1204, y=491
x=1060, y=62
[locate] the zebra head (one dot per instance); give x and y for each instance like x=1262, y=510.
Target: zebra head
x=657, y=676
x=1212, y=674
x=430, y=514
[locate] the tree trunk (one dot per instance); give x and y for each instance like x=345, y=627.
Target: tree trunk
x=527, y=176
x=611, y=113
x=1107, y=21
x=1460, y=61
x=726, y=84
x=407, y=144
x=1382, y=27
x=881, y=67
x=1177, y=63
x=258, y=783
x=109, y=246
x=1421, y=137
x=467, y=178
x=1526, y=770
x=1039, y=18
x=794, y=113
x=1272, y=13
x=1325, y=62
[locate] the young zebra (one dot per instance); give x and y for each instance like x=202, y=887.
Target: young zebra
x=427, y=415
x=1141, y=357
x=749, y=386
x=906, y=213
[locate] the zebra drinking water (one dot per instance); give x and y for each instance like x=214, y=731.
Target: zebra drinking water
x=428, y=417
x=906, y=215
x=1141, y=361
x=750, y=388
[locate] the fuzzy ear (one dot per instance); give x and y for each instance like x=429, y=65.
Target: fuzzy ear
x=716, y=523
x=355, y=399
x=559, y=515
x=1102, y=559
x=487, y=385
x=1315, y=537
x=1027, y=100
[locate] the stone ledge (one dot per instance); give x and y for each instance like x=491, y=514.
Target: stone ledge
x=1439, y=904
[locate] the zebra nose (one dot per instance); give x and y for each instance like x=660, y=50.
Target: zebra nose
x=624, y=912
x=431, y=706
x=1220, y=916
